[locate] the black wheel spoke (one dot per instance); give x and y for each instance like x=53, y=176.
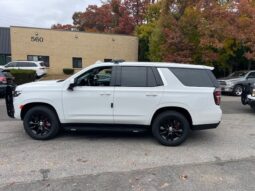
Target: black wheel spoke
x=40, y=124
x=171, y=130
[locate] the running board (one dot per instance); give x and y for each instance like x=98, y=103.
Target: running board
x=105, y=127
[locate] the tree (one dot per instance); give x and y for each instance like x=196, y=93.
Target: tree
x=67, y=27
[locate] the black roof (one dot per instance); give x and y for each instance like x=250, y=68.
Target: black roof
x=5, y=40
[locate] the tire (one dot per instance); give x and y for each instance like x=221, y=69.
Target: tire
x=179, y=126
x=41, y=123
x=238, y=89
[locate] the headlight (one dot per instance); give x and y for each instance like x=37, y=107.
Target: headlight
x=16, y=93
x=253, y=92
x=230, y=83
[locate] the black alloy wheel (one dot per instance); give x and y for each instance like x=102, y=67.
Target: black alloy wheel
x=170, y=128
x=41, y=123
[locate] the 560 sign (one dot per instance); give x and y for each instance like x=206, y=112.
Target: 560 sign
x=36, y=38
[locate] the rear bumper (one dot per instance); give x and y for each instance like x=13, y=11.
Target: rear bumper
x=205, y=126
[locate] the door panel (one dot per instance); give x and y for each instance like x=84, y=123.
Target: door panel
x=92, y=98
x=134, y=105
x=137, y=95
x=88, y=105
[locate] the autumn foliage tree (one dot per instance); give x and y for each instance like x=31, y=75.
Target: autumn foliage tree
x=220, y=33
x=67, y=27
x=113, y=16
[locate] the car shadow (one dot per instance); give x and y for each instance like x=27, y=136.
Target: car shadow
x=102, y=134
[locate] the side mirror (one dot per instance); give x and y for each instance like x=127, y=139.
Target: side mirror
x=72, y=84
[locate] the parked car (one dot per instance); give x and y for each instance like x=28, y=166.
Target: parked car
x=234, y=82
x=168, y=99
x=38, y=66
x=5, y=79
x=248, y=95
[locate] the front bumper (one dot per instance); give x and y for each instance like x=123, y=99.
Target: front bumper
x=9, y=101
x=251, y=97
x=227, y=89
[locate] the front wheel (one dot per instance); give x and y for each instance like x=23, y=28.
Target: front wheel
x=41, y=123
x=170, y=128
x=238, y=90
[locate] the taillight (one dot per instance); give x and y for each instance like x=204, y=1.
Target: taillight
x=3, y=80
x=217, y=96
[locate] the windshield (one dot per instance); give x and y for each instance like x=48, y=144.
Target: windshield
x=238, y=74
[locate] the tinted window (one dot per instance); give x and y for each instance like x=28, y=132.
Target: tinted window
x=42, y=64
x=45, y=59
x=137, y=77
x=25, y=64
x=151, y=78
x=134, y=77
x=195, y=77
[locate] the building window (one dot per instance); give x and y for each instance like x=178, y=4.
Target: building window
x=77, y=62
x=45, y=59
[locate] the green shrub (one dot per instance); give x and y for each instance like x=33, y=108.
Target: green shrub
x=23, y=76
x=68, y=71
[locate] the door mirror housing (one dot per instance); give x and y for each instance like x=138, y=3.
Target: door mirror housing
x=72, y=84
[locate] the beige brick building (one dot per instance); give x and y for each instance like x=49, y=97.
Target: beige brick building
x=67, y=49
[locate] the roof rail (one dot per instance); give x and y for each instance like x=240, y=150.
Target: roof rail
x=118, y=61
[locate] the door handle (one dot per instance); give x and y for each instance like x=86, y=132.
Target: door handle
x=105, y=94
x=151, y=95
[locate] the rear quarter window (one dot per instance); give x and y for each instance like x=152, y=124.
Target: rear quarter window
x=195, y=77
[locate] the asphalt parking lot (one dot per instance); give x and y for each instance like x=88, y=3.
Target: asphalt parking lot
x=219, y=159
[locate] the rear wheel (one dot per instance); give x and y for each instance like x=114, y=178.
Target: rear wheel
x=238, y=89
x=170, y=128
x=41, y=123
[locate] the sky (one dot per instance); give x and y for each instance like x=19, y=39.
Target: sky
x=40, y=13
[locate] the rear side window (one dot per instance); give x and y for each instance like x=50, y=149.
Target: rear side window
x=139, y=76
x=42, y=64
x=133, y=76
x=25, y=64
x=12, y=64
x=195, y=77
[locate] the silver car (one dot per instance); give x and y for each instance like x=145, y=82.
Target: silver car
x=234, y=82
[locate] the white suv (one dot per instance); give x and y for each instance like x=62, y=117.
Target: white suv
x=170, y=99
x=38, y=66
